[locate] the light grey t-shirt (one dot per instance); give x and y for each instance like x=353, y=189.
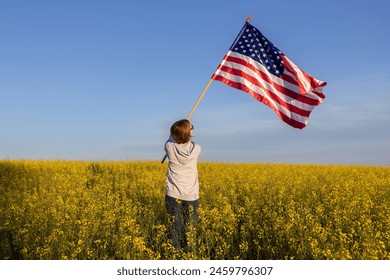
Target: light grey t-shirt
x=182, y=175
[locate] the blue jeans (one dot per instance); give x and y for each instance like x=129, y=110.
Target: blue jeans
x=183, y=216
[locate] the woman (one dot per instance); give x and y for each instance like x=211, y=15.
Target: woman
x=182, y=184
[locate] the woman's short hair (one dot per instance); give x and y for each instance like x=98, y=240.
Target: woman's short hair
x=181, y=131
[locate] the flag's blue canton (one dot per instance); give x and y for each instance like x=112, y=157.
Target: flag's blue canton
x=252, y=43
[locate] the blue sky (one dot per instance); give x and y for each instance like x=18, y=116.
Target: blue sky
x=104, y=80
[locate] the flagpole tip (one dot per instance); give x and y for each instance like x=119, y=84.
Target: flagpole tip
x=248, y=19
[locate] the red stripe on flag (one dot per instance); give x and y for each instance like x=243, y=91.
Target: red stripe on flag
x=240, y=86
x=279, y=88
x=267, y=91
x=306, y=83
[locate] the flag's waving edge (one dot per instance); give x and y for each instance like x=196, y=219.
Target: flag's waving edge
x=254, y=65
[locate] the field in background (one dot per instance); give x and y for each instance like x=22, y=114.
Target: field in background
x=116, y=210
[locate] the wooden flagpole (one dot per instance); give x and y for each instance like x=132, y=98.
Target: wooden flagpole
x=202, y=94
x=194, y=107
x=199, y=99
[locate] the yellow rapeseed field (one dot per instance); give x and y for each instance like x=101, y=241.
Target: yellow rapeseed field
x=115, y=210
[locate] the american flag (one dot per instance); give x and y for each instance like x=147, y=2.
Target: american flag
x=253, y=64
